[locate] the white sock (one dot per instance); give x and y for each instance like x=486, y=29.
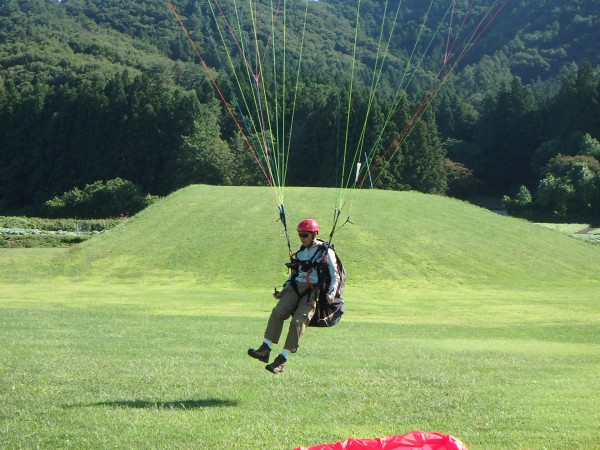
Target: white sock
x=285, y=353
x=268, y=342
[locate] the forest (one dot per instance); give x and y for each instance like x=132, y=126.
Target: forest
x=105, y=104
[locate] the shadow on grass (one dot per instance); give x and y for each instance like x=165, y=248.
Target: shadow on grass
x=148, y=404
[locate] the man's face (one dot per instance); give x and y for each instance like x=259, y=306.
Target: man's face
x=306, y=237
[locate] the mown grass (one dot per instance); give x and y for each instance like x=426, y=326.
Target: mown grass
x=458, y=321
x=128, y=367
x=227, y=236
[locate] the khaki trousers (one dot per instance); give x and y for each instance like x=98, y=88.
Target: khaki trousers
x=300, y=310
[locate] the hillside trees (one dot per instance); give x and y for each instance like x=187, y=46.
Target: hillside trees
x=57, y=137
x=576, y=107
x=570, y=188
x=507, y=134
x=566, y=165
x=203, y=157
x=423, y=161
x=54, y=138
x=90, y=92
x=114, y=198
x=325, y=154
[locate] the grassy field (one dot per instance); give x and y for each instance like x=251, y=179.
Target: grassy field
x=458, y=320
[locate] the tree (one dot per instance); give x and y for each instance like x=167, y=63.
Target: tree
x=203, y=156
x=455, y=117
x=569, y=187
x=113, y=198
x=576, y=107
x=584, y=144
x=317, y=137
x=462, y=183
x=545, y=152
x=391, y=167
x=521, y=205
x=423, y=161
x=553, y=195
x=507, y=134
x=245, y=170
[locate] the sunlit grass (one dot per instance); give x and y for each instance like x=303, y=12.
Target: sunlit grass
x=458, y=321
x=230, y=236
x=134, y=366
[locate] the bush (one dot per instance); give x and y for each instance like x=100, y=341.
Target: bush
x=570, y=187
x=521, y=205
x=113, y=198
x=554, y=195
x=561, y=165
x=545, y=153
x=585, y=144
x=461, y=181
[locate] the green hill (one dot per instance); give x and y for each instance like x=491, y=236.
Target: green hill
x=459, y=320
x=225, y=236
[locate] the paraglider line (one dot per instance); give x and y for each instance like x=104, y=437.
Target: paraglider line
x=219, y=92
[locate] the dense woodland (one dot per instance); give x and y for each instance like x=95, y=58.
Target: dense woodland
x=106, y=103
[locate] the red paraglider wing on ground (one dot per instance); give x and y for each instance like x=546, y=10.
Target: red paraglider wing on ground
x=415, y=440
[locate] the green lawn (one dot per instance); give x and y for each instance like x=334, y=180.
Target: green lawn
x=494, y=339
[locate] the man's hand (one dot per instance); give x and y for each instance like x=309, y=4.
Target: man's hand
x=330, y=298
x=277, y=294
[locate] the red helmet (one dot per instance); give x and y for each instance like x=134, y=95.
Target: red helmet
x=308, y=225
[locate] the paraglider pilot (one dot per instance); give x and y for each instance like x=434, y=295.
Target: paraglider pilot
x=298, y=298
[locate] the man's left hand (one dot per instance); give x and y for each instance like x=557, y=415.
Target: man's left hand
x=330, y=298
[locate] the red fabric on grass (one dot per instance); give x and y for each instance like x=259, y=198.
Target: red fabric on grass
x=415, y=440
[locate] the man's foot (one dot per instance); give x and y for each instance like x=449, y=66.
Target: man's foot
x=277, y=365
x=261, y=353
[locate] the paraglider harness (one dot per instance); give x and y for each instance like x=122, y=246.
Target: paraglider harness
x=326, y=315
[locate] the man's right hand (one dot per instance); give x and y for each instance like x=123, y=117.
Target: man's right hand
x=277, y=294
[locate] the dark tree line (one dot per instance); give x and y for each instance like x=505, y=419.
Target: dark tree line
x=542, y=150
x=96, y=96
x=62, y=136
x=54, y=138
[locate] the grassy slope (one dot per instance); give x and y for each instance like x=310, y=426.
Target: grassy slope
x=482, y=326
x=226, y=236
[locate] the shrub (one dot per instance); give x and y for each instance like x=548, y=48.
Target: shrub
x=461, y=181
x=521, y=205
x=561, y=165
x=554, y=194
x=544, y=153
x=570, y=187
x=113, y=198
x=585, y=144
